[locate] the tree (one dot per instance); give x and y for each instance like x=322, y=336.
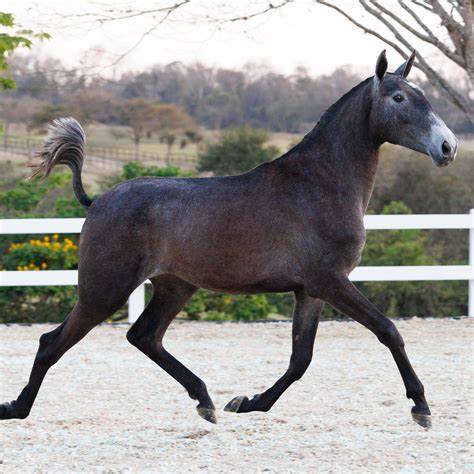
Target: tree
x=401, y=27
x=17, y=110
x=238, y=150
x=170, y=122
x=46, y=114
x=139, y=115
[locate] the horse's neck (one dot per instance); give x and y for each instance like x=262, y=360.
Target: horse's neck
x=341, y=152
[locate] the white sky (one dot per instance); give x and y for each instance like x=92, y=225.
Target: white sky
x=300, y=34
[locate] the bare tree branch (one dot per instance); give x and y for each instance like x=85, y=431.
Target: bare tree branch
x=462, y=57
x=454, y=29
x=127, y=14
x=428, y=38
x=365, y=29
x=422, y=5
x=261, y=12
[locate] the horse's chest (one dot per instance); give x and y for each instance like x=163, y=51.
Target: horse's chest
x=339, y=248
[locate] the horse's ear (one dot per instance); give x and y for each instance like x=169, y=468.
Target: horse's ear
x=405, y=68
x=381, y=66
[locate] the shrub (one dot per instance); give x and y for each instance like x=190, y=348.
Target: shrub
x=34, y=198
x=135, y=169
x=41, y=254
x=38, y=304
x=238, y=150
x=215, y=306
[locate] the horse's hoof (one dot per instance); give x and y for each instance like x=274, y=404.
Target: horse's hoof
x=9, y=411
x=235, y=404
x=423, y=419
x=209, y=414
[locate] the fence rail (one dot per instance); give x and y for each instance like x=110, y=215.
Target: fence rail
x=372, y=222
x=110, y=157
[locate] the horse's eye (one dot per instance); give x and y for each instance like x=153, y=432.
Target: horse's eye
x=398, y=98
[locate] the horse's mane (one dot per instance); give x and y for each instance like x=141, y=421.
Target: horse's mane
x=329, y=115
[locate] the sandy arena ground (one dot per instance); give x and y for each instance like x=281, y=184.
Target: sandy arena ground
x=105, y=407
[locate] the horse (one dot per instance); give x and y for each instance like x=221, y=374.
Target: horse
x=294, y=224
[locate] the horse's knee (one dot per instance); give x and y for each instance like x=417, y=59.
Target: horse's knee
x=389, y=335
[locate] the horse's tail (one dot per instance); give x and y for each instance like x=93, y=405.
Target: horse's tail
x=64, y=145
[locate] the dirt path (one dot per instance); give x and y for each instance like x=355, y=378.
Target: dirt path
x=106, y=407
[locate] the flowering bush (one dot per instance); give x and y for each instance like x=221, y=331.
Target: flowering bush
x=41, y=254
x=38, y=303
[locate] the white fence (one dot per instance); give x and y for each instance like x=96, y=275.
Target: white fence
x=136, y=302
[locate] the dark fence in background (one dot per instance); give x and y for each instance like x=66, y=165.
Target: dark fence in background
x=112, y=158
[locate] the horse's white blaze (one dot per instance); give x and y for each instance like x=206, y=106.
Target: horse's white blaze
x=414, y=86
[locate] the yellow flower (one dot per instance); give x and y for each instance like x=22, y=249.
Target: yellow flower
x=46, y=238
x=44, y=265
x=227, y=300
x=32, y=265
x=19, y=268
x=55, y=237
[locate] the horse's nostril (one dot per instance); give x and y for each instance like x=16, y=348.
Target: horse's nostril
x=446, y=148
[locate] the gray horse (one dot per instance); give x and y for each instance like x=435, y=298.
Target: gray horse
x=293, y=224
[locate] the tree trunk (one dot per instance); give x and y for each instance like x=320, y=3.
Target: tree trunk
x=137, y=148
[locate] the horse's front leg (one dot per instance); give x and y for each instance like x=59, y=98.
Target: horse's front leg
x=345, y=297
x=306, y=315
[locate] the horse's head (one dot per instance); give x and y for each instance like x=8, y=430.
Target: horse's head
x=402, y=115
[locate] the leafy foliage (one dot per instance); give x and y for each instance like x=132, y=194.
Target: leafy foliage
x=135, y=169
x=46, y=114
x=238, y=150
x=27, y=197
x=11, y=42
x=207, y=305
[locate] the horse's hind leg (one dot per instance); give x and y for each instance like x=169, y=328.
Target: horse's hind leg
x=52, y=346
x=305, y=324
x=99, y=298
x=169, y=296
x=346, y=298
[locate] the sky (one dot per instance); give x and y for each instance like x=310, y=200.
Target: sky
x=301, y=34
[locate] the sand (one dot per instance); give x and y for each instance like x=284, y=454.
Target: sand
x=105, y=407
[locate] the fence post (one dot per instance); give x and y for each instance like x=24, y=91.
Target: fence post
x=136, y=303
x=471, y=264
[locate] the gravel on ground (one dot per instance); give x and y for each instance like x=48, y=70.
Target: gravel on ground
x=105, y=407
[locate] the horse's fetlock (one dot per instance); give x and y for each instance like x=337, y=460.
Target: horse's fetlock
x=416, y=391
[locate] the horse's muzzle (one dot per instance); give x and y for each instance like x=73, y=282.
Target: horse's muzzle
x=445, y=155
x=443, y=144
